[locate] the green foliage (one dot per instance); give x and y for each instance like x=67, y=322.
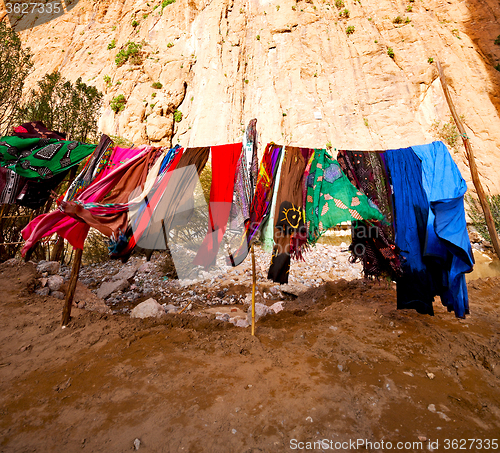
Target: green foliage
x=135, y=23
x=448, y=133
x=170, y=45
x=390, y=52
x=157, y=85
x=409, y=9
x=497, y=67
x=257, y=37
x=407, y=20
x=345, y=13
x=130, y=52
x=350, y=29
x=112, y=44
x=477, y=216
x=397, y=20
x=153, y=95
x=497, y=40
x=62, y=106
x=117, y=104
x=177, y=116
x=165, y=3
x=95, y=249
x=284, y=114
x=107, y=80
x=339, y=4
x=430, y=60
x=121, y=142
x=15, y=65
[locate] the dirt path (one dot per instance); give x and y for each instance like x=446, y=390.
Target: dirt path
x=338, y=363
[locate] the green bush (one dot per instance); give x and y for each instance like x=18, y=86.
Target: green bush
x=409, y=9
x=135, y=23
x=390, y=52
x=112, y=44
x=130, y=52
x=397, y=20
x=339, y=4
x=476, y=214
x=96, y=248
x=497, y=40
x=430, y=60
x=15, y=65
x=350, y=29
x=177, y=116
x=157, y=85
x=117, y=104
x=63, y=106
x=165, y=3
x=345, y=13
x=497, y=67
x=448, y=133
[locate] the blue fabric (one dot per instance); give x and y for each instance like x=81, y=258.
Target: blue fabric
x=447, y=236
x=416, y=287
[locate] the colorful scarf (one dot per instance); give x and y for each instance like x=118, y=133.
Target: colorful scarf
x=224, y=161
x=372, y=243
x=332, y=199
x=289, y=232
x=261, y=201
x=41, y=158
x=74, y=231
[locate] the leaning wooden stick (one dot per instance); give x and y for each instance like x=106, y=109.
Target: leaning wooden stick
x=253, y=291
x=75, y=270
x=472, y=165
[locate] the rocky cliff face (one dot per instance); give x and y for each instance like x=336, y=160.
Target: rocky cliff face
x=292, y=65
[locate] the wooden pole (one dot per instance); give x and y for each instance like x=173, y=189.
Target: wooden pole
x=75, y=270
x=469, y=153
x=254, y=279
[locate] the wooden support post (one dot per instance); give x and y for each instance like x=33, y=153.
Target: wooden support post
x=75, y=270
x=472, y=165
x=254, y=280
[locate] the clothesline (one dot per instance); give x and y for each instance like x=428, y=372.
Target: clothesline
x=296, y=195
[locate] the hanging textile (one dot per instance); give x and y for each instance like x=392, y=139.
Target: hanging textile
x=267, y=236
x=224, y=160
x=261, y=202
x=16, y=189
x=112, y=219
x=74, y=231
x=332, y=199
x=372, y=242
x=419, y=283
x=41, y=158
x=446, y=238
x=36, y=129
x=163, y=203
x=93, y=168
x=289, y=232
x=11, y=185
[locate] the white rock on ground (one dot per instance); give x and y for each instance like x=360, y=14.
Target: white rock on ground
x=51, y=267
x=107, y=288
x=148, y=309
x=54, y=282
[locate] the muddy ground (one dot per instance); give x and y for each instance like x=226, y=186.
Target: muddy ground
x=339, y=363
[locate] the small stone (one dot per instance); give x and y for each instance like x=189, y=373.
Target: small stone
x=81, y=304
x=51, y=267
x=147, y=309
x=43, y=291
x=309, y=419
x=431, y=408
x=431, y=375
x=54, y=282
x=234, y=431
x=109, y=288
x=137, y=444
x=334, y=328
x=57, y=294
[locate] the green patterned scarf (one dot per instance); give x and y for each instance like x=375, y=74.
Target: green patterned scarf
x=41, y=158
x=332, y=199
